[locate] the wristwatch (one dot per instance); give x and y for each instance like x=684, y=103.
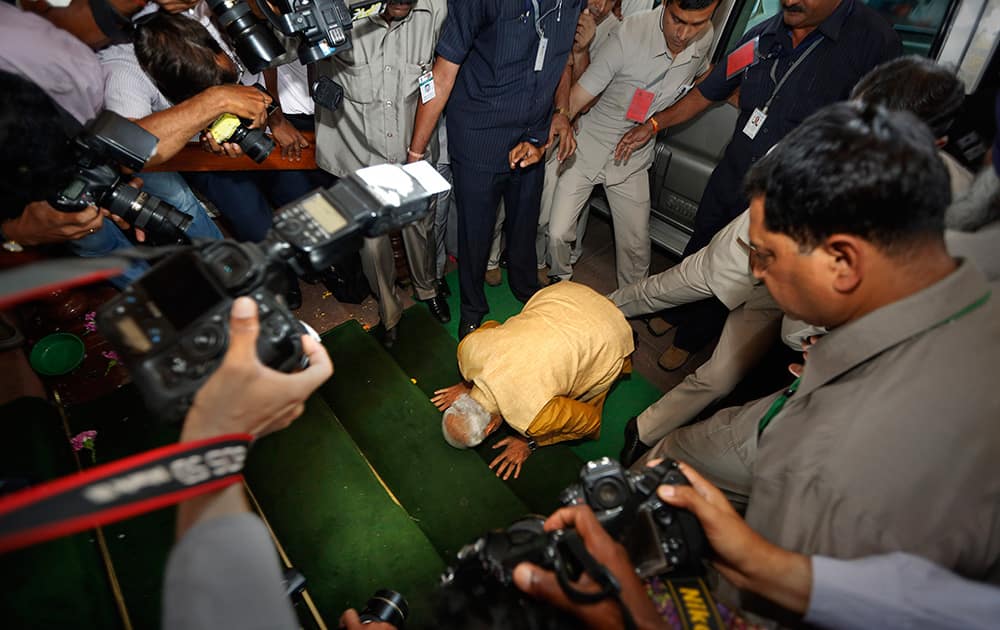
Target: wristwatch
x=532, y=445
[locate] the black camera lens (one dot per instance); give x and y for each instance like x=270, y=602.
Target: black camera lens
x=386, y=605
x=255, y=143
x=254, y=41
x=162, y=222
x=608, y=493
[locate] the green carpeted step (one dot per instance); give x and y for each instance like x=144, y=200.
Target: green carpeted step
x=334, y=519
x=450, y=493
x=61, y=583
x=426, y=352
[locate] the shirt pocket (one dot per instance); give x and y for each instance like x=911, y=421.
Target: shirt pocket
x=358, y=83
x=516, y=43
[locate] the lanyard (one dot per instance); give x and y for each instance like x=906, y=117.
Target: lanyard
x=784, y=77
x=780, y=401
x=539, y=16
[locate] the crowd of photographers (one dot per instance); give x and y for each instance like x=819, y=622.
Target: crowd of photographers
x=869, y=487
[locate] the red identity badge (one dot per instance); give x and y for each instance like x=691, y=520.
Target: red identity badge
x=641, y=101
x=740, y=58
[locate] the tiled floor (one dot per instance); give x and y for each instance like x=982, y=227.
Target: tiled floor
x=595, y=268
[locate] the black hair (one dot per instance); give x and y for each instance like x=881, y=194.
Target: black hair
x=38, y=159
x=179, y=55
x=856, y=169
x=692, y=5
x=914, y=84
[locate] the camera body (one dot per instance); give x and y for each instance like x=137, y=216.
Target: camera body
x=658, y=537
x=256, y=144
x=171, y=326
x=106, y=145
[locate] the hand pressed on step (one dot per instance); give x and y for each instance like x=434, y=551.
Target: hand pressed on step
x=516, y=451
x=444, y=398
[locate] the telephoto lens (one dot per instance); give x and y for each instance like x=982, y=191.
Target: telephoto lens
x=255, y=43
x=386, y=605
x=162, y=223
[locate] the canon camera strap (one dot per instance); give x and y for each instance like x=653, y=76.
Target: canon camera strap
x=121, y=489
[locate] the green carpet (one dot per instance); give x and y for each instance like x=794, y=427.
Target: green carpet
x=426, y=352
x=450, y=494
x=335, y=521
x=61, y=583
x=629, y=397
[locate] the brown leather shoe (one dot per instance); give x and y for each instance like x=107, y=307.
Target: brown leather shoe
x=659, y=326
x=494, y=277
x=673, y=358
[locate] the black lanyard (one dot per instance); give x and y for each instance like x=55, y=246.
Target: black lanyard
x=784, y=77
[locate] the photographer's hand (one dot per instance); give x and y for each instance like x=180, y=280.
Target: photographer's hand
x=39, y=224
x=444, y=398
x=287, y=136
x=543, y=585
x=743, y=556
x=351, y=621
x=246, y=396
x=516, y=451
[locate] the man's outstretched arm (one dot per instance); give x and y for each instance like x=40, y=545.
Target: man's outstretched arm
x=429, y=113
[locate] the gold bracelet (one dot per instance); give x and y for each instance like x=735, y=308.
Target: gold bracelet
x=656, y=125
x=561, y=110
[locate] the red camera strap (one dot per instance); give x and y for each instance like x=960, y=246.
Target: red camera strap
x=121, y=489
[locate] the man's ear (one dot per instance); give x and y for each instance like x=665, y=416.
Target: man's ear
x=846, y=256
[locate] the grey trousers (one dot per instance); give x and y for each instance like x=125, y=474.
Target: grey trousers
x=380, y=268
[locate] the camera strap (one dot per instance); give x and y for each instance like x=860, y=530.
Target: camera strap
x=121, y=489
x=693, y=602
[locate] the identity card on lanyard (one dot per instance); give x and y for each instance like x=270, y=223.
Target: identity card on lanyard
x=759, y=115
x=543, y=41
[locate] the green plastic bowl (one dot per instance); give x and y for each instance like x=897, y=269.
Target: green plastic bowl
x=58, y=353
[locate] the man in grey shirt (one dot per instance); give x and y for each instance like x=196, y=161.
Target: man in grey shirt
x=888, y=441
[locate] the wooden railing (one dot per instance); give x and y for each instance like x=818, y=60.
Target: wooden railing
x=193, y=158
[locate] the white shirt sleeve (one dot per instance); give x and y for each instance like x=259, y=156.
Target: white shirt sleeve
x=898, y=590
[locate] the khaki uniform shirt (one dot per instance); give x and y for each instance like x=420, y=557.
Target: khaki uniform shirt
x=635, y=56
x=380, y=76
x=548, y=369
x=892, y=440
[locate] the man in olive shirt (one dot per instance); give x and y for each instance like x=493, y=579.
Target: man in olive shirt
x=380, y=75
x=649, y=62
x=888, y=441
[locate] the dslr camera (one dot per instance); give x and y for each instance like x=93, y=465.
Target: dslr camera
x=106, y=145
x=659, y=538
x=256, y=144
x=170, y=327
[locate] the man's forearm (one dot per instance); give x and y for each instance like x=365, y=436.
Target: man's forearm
x=429, y=113
x=561, y=99
x=782, y=576
x=581, y=61
x=579, y=99
x=683, y=110
x=175, y=126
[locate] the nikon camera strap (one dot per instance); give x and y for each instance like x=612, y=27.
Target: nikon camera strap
x=121, y=489
x=694, y=604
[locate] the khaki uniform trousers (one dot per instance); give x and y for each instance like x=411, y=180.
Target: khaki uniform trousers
x=630, y=208
x=380, y=268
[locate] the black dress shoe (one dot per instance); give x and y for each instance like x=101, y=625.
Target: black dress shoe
x=464, y=328
x=389, y=337
x=634, y=448
x=439, y=309
x=442, y=288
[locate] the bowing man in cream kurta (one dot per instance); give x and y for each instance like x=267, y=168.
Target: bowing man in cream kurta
x=546, y=371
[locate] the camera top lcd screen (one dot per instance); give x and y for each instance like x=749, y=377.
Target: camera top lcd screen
x=320, y=209
x=180, y=289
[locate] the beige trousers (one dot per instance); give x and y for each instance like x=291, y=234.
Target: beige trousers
x=629, y=202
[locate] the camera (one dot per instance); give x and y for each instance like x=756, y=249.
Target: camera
x=321, y=25
x=386, y=605
x=106, y=145
x=255, y=43
x=170, y=327
x=256, y=144
x=658, y=537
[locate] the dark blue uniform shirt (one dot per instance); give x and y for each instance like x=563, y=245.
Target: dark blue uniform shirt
x=498, y=99
x=855, y=39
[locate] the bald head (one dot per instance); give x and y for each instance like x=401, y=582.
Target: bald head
x=465, y=424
